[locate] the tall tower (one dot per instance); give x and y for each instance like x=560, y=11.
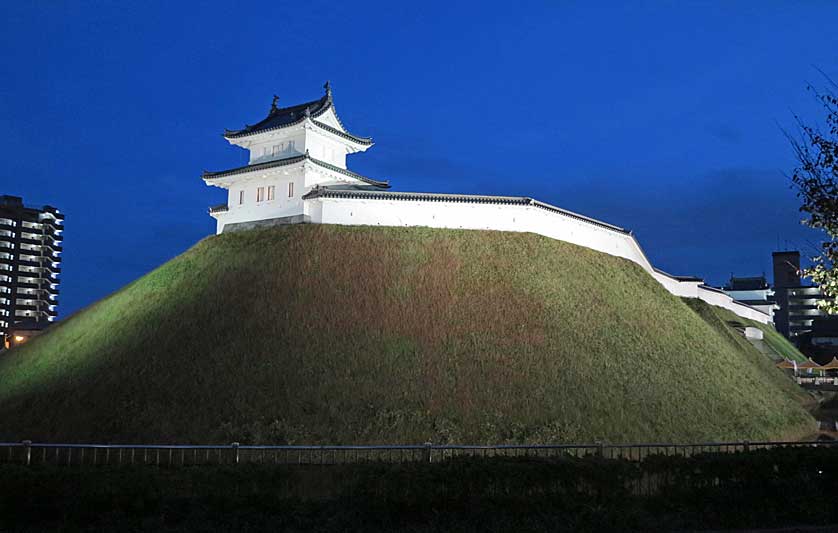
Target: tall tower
x=786, y=269
x=30, y=262
x=292, y=150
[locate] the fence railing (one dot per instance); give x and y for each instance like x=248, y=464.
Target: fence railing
x=31, y=453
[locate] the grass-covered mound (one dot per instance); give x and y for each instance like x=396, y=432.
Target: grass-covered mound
x=327, y=334
x=726, y=323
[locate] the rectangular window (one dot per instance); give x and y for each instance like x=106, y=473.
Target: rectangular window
x=260, y=194
x=290, y=189
x=271, y=192
x=290, y=145
x=266, y=151
x=241, y=197
x=277, y=149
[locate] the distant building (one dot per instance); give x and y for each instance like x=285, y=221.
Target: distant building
x=754, y=291
x=798, y=303
x=22, y=331
x=30, y=262
x=821, y=341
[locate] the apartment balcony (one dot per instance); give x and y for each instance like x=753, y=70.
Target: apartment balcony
x=32, y=313
x=28, y=263
x=802, y=307
x=54, y=269
x=35, y=240
x=44, y=262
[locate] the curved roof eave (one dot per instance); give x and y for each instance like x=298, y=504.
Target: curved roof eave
x=323, y=105
x=206, y=175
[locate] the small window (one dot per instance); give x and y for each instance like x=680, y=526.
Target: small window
x=271, y=190
x=290, y=189
x=290, y=145
x=260, y=194
x=266, y=151
x=241, y=197
x=277, y=149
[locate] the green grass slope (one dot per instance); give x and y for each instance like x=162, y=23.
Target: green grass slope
x=327, y=334
x=725, y=322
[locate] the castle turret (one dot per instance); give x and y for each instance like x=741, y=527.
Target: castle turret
x=292, y=150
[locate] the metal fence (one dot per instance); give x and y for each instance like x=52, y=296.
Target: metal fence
x=31, y=453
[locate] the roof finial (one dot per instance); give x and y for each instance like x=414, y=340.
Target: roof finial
x=328, y=88
x=307, y=112
x=273, y=103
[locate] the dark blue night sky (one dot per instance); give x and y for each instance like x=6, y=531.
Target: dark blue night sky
x=660, y=117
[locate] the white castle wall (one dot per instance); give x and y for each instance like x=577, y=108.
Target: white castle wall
x=512, y=217
x=281, y=206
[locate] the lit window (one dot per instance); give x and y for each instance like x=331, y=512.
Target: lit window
x=241, y=197
x=271, y=190
x=260, y=194
x=290, y=189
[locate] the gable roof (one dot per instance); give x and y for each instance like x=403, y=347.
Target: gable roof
x=284, y=117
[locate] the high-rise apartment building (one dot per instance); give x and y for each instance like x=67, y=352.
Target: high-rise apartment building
x=30, y=263
x=798, y=303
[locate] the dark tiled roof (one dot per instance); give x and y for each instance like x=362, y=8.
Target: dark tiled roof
x=327, y=192
x=339, y=133
x=283, y=117
x=747, y=284
x=290, y=161
x=769, y=301
x=689, y=279
x=684, y=279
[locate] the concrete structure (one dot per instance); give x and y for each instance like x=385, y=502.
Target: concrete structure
x=30, y=262
x=798, y=303
x=820, y=342
x=297, y=174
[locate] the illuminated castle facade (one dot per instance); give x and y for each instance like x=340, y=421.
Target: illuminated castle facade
x=297, y=174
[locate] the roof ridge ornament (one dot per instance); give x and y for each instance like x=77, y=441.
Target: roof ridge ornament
x=273, y=104
x=307, y=112
x=328, y=87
